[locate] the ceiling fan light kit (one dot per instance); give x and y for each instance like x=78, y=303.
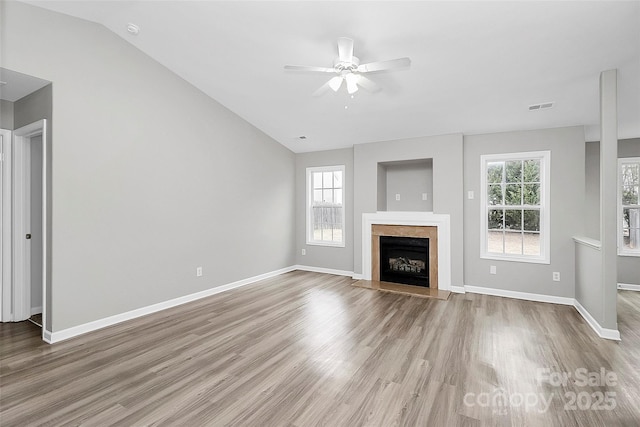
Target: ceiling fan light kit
x=335, y=83
x=352, y=85
x=347, y=68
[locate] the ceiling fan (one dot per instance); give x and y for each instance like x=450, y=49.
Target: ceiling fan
x=348, y=69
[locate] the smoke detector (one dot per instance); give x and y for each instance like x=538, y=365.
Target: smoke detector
x=133, y=29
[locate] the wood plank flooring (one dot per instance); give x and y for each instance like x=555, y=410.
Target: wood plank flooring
x=309, y=349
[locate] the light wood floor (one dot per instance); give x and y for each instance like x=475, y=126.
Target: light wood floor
x=306, y=349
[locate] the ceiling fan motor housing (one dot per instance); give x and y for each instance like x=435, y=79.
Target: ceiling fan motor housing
x=343, y=67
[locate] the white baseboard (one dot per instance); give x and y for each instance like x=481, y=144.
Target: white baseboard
x=519, y=295
x=36, y=310
x=323, y=270
x=610, y=334
x=54, y=337
x=628, y=287
x=357, y=276
x=57, y=336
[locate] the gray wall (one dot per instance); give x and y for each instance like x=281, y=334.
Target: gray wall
x=409, y=179
x=446, y=152
x=629, y=148
x=628, y=266
x=6, y=114
x=33, y=107
x=324, y=256
x=382, y=188
x=151, y=178
x=567, y=201
x=592, y=190
x=29, y=109
x=588, y=279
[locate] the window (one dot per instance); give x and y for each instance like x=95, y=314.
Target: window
x=325, y=206
x=515, y=207
x=629, y=206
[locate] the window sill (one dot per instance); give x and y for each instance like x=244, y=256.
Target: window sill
x=328, y=244
x=631, y=254
x=516, y=259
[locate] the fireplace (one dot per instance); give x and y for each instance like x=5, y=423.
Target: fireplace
x=404, y=260
x=405, y=254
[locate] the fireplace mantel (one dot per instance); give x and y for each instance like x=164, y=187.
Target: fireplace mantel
x=441, y=221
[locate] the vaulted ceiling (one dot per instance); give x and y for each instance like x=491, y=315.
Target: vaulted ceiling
x=476, y=66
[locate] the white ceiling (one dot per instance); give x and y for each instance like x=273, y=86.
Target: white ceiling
x=476, y=66
x=17, y=85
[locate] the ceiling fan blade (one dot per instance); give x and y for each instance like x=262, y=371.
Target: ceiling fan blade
x=334, y=83
x=322, y=89
x=368, y=84
x=309, y=68
x=345, y=49
x=384, y=65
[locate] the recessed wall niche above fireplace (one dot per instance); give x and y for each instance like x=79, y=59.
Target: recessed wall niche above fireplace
x=405, y=254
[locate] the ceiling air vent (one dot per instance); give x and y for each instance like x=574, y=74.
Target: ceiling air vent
x=542, y=106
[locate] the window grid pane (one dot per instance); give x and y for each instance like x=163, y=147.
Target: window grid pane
x=495, y=194
x=317, y=180
x=631, y=228
x=630, y=194
x=513, y=243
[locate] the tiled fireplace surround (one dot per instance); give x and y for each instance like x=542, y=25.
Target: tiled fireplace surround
x=440, y=221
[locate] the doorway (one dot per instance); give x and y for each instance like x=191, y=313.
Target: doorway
x=24, y=241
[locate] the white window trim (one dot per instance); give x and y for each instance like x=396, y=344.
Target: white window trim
x=309, y=190
x=545, y=198
x=621, y=250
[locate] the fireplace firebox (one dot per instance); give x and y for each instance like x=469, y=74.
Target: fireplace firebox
x=404, y=260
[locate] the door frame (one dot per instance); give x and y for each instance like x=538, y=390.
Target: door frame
x=5, y=230
x=21, y=216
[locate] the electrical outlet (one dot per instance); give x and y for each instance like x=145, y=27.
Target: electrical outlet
x=492, y=269
x=199, y=272
x=556, y=276
x=397, y=197
x=304, y=252
x=470, y=195
x=424, y=196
